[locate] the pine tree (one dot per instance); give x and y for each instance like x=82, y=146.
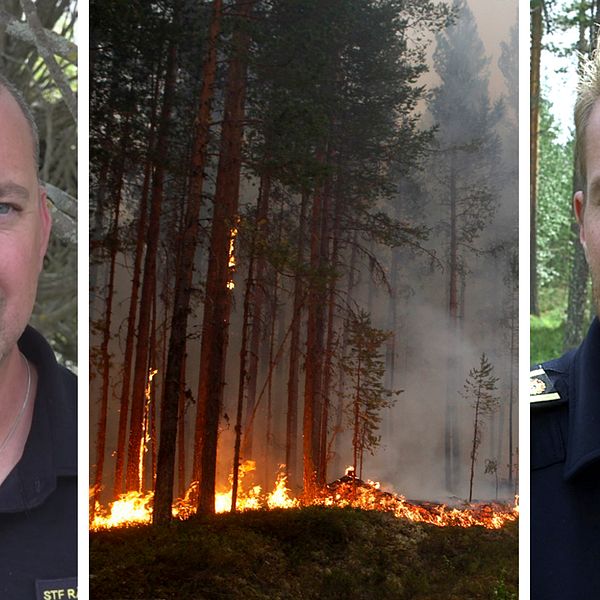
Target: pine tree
x=365, y=368
x=479, y=389
x=465, y=167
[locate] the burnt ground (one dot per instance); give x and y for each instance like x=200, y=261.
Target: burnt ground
x=314, y=553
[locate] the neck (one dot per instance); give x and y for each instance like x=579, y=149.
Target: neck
x=11, y=376
x=15, y=412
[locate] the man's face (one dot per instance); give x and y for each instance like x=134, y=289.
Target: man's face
x=24, y=224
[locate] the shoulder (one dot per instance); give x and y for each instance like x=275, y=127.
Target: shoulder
x=549, y=381
x=56, y=396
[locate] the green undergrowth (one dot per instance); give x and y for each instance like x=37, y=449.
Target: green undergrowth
x=314, y=553
x=547, y=335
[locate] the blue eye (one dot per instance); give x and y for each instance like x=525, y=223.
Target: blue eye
x=5, y=209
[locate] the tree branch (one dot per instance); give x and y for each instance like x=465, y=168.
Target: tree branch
x=22, y=31
x=64, y=213
x=43, y=46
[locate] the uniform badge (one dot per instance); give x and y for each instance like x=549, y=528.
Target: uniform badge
x=56, y=589
x=541, y=388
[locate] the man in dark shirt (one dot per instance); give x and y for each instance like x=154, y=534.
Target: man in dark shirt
x=38, y=441
x=565, y=409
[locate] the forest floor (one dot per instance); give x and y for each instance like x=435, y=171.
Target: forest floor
x=314, y=553
x=547, y=335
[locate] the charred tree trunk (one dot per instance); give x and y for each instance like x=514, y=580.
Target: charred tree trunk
x=139, y=379
x=183, y=284
x=217, y=304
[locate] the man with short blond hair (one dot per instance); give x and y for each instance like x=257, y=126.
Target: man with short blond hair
x=565, y=402
x=38, y=442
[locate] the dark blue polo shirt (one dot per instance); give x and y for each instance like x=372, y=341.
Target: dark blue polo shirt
x=38, y=499
x=565, y=478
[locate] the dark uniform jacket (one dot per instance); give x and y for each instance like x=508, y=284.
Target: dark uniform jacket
x=38, y=499
x=565, y=477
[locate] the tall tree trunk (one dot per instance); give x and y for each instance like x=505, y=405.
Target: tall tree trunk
x=181, y=432
x=150, y=434
x=106, y=335
x=250, y=293
x=274, y=310
x=183, y=284
x=314, y=349
x=139, y=375
x=217, y=305
x=356, y=435
x=129, y=341
x=534, y=123
x=256, y=326
x=330, y=341
x=291, y=439
x=513, y=355
x=344, y=345
x=133, y=302
x=390, y=348
x=242, y=380
x=451, y=425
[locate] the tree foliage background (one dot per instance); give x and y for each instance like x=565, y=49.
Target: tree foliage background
x=38, y=55
x=568, y=35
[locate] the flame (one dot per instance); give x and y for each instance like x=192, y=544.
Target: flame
x=231, y=264
x=145, y=427
x=130, y=508
x=348, y=491
x=280, y=496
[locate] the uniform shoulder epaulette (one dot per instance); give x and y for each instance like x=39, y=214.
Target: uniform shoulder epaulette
x=541, y=387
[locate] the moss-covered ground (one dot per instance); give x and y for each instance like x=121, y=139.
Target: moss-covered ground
x=314, y=553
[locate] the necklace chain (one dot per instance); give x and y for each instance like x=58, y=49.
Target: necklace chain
x=21, y=411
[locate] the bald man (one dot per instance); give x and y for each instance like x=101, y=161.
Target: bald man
x=565, y=409
x=38, y=439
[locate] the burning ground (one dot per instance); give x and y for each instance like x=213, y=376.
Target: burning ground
x=354, y=541
x=348, y=491
x=311, y=552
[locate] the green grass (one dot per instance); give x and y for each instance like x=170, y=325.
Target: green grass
x=312, y=553
x=547, y=335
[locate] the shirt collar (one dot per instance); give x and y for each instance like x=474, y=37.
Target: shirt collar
x=584, y=404
x=49, y=451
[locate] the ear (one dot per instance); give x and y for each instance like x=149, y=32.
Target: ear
x=579, y=208
x=45, y=225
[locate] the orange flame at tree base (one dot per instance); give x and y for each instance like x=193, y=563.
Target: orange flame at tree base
x=135, y=508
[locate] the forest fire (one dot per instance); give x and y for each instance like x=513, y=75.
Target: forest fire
x=231, y=263
x=348, y=491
